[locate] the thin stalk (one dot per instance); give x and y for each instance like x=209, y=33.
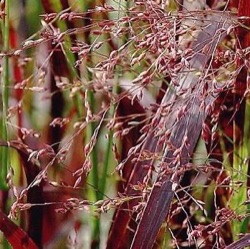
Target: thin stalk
x=239, y=175
x=103, y=180
x=5, y=99
x=65, y=46
x=5, y=102
x=242, y=149
x=111, y=115
x=94, y=154
x=77, y=96
x=94, y=174
x=246, y=144
x=91, y=127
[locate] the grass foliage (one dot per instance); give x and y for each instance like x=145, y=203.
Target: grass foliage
x=124, y=124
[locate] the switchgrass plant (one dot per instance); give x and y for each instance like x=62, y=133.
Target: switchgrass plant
x=130, y=122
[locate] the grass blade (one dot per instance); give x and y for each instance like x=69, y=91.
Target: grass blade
x=14, y=234
x=160, y=198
